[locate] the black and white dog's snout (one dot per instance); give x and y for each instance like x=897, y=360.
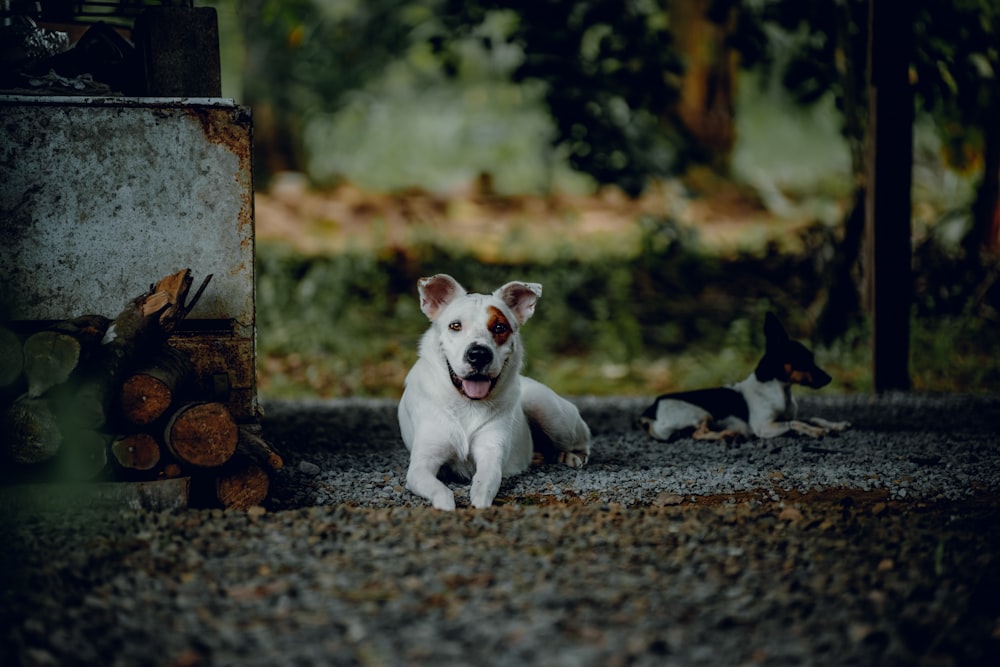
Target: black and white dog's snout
x=479, y=356
x=819, y=378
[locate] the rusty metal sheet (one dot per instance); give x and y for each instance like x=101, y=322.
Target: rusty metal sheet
x=225, y=368
x=99, y=197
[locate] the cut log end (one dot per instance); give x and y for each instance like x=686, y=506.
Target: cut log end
x=202, y=434
x=144, y=399
x=242, y=484
x=31, y=433
x=49, y=359
x=152, y=388
x=136, y=451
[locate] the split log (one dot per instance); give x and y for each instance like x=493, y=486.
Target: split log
x=148, y=393
x=136, y=452
x=11, y=357
x=51, y=356
x=146, y=322
x=201, y=434
x=241, y=484
x=31, y=433
x=142, y=327
x=258, y=450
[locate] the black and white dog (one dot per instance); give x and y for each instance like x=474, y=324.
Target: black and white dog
x=761, y=405
x=466, y=405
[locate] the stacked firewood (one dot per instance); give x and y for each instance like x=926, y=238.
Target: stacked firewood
x=93, y=398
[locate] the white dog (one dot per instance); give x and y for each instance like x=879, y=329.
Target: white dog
x=466, y=405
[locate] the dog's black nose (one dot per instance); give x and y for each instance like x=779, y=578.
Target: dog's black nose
x=478, y=356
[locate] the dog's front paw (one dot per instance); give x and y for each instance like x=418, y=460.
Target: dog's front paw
x=444, y=500
x=811, y=431
x=575, y=459
x=481, y=497
x=576, y=451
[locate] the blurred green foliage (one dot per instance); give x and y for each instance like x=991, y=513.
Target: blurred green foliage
x=361, y=91
x=672, y=317
x=607, y=72
x=610, y=73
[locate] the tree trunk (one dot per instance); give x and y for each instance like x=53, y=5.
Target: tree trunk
x=708, y=85
x=843, y=300
x=843, y=303
x=985, y=233
x=888, y=208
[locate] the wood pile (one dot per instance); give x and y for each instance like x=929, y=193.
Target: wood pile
x=93, y=398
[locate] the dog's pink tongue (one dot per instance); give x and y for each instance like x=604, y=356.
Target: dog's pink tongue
x=476, y=388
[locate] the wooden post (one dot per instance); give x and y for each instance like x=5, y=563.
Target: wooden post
x=890, y=166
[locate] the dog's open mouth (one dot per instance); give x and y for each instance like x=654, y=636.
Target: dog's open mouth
x=476, y=387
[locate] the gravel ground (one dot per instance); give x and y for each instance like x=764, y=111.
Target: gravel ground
x=880, y=546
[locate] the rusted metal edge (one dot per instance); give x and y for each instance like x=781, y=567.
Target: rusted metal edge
x=70, y=100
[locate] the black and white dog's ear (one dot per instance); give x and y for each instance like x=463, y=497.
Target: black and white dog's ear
x=773, y=331
x=520, y=298
x=437, y=292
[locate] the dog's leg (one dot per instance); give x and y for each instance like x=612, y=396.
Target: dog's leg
x=421, y=479
x=559, y=420
x=657, y=429
x=488, y=455
x=776, y=428
x=807, y=429
x=705, y=432
x=430, y=448
x=833, y=427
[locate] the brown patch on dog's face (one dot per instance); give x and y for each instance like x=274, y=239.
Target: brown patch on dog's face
x=804, y=378
x=498, y=326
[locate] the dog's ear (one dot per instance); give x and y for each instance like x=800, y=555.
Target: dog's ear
x=774, y=333
x=437, y=292
x=520, y=298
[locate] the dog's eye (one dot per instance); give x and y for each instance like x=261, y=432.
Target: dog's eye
x=455, y=326
x=499, y=329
